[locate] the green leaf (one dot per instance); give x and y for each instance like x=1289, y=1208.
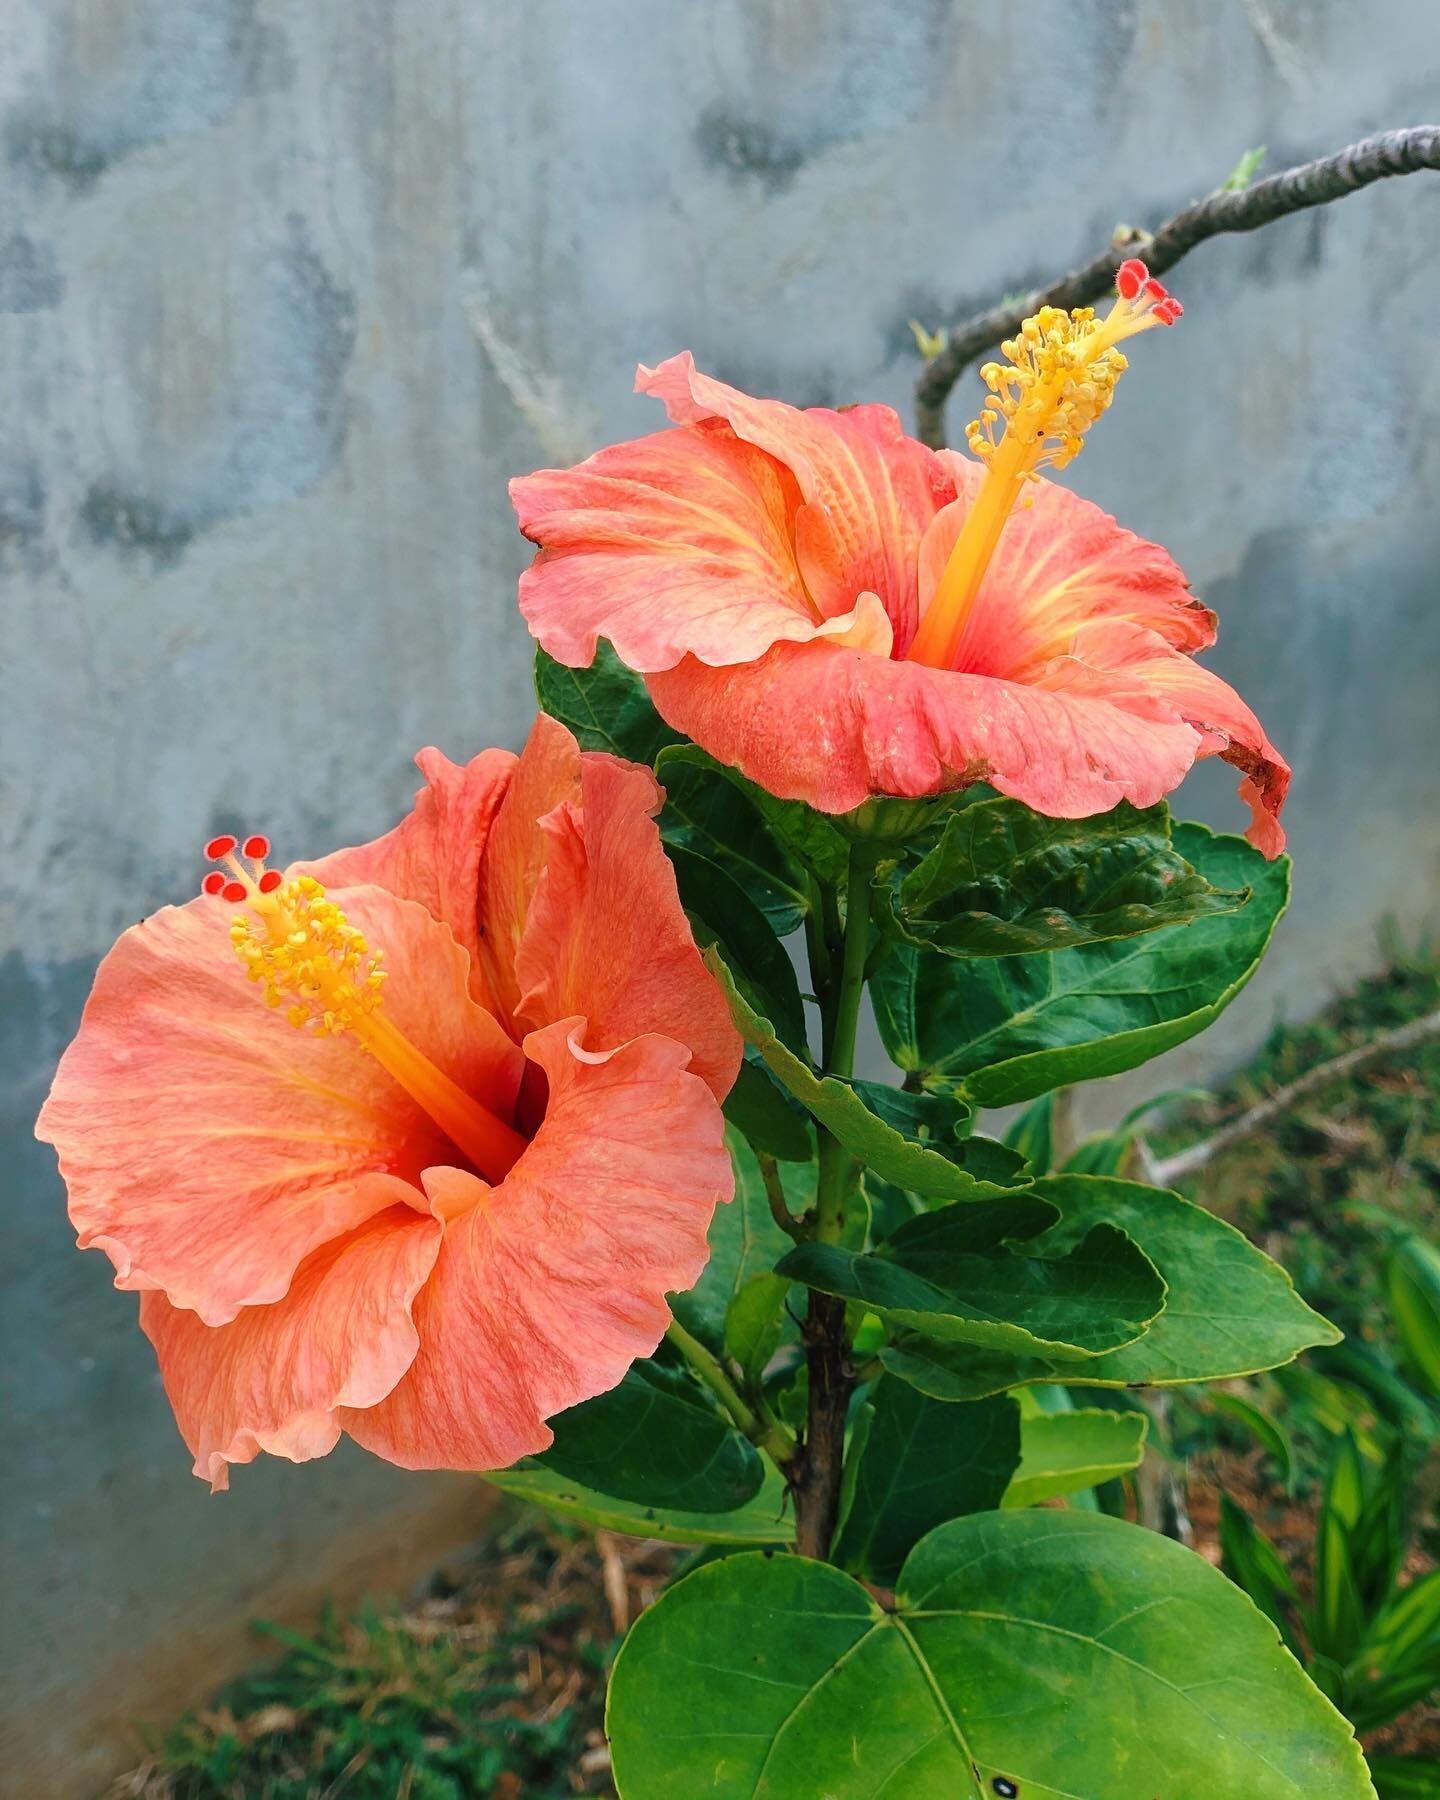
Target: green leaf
x=805, y=834
x=950, y=1275
x=606, y=706
x=1261, y=1427
x=765, y=1520
x=1064, y=1453
x=745, y=1242
x=1244, y=171
x=753, y=1322
x=759, y=1108
x=923, y=1462
x=1335, y=1621
x=911, y=1157
x=1003, y=880
x=708, y=814
x=1405, y=1777
x=722, y=915
x=1252, y=1562
x=1031, y=1134
x=1051, y=1655
x=1229, y=1310
x=1005, y=1029
x=655, y=1440
x=1412, y=1278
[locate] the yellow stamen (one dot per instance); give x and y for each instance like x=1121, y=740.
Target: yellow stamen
x=297, y=942
x=1059, y=378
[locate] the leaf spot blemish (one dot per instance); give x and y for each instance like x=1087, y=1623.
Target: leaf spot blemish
x=1007, y=1789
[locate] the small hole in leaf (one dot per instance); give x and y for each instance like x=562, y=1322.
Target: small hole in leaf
x=1006, y=1788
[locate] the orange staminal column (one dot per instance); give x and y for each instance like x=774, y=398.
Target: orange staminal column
x=1059, y=377
x=296, y=941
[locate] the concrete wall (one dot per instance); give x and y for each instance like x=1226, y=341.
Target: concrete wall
x=287, y=292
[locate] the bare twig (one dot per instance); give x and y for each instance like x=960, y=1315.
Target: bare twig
x=1166, y=1171
x=1309, y=184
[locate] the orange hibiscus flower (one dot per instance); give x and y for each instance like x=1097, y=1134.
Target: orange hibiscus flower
x=437, y=1189
x=840, y=612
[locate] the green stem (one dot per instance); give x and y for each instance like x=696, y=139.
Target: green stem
x=817, y=1472
x=775, y=1194
x=766, y=1431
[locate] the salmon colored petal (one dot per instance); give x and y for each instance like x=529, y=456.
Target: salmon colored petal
x=208, y=1147
x=1061, y=562
x=550, y=1285
x=547, y=775
x=675, y=542
x=433, y=855
x=833, y=726
x=273, y=1378
x=1227, y=726
x=607, y=937
x=869, y=490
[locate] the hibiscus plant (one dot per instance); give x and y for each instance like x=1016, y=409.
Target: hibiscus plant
x=514, y=1142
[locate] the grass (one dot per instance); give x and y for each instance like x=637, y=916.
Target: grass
x=492, y=1687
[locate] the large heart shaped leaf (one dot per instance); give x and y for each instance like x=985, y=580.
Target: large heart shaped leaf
x=1004, y=880
x=1005, y=1029
x=765, y=1520
x=1229, y=1310
x=656, y=1440
x=1044, y=1655
x=953, y=1276
x=922, y=1462
x=906, y=1145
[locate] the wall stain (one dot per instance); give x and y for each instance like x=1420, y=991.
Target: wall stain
x=281, y=415
x=30, y=278
x=793, y=92
x=134, y=524
x=173, y=71
x=746, y=148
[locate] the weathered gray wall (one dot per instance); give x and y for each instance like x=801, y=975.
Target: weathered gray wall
x=289, y=291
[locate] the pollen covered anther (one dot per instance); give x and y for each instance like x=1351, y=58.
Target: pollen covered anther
x=1058, y=376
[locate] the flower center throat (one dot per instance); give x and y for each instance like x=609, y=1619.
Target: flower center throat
x=292, y=938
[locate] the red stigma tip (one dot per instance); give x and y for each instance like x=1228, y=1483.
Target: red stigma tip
x=270, y=880
x=213, y=882
x=1157, y=290
x=257, y=846
x=220, y=846
x=234, y=892
x=1129, y=278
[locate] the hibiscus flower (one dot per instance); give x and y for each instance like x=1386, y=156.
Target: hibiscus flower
x=411, y=1142
x=841, y=613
